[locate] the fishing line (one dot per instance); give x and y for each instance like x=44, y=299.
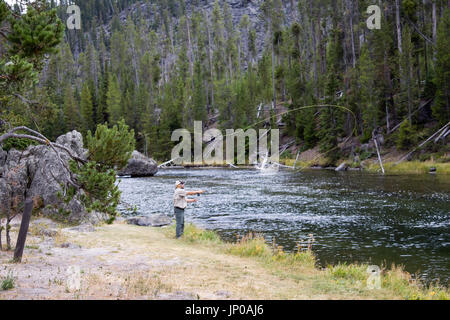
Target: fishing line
x=304, y=108
x=354, y=131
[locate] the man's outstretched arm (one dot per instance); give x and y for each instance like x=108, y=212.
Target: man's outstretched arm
x=192, y=193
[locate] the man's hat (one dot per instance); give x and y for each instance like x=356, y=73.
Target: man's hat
x=178, y=183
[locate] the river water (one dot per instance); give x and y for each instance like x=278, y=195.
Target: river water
x=354, y=217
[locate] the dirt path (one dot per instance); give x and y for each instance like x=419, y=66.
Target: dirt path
x=129, y=262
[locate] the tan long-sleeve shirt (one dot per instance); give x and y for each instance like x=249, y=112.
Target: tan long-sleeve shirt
x=179, y=198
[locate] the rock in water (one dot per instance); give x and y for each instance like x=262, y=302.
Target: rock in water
x=342, y=167
x=140, y=166
x=158, y=220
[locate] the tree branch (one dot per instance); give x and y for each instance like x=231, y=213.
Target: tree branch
x=38, y=137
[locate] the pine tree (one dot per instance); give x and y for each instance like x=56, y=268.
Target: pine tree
x=113, y=100
x=441, y=108
x=86, y=108
x=71, y=114
x=328, y=120
x=369, y=112
x=27, y=39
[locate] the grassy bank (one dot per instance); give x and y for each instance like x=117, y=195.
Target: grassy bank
x=122, y=261
x=373, y=166
x=341, y=281
x=410, y=167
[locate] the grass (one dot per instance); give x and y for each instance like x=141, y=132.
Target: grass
x=405, y=167
x=348, y=271
x=301, y=265
x=193, y=234
x=318, y=162
x=144, y=285
x=8, y=282
x=252, y=245
x=130, y=262
x=410, y=167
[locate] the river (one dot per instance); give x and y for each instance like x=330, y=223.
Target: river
x=354, y=217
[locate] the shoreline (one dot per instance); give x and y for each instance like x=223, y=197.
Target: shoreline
x=369, y=166
x=122, y=261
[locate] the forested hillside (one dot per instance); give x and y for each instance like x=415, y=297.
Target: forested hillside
x=161, y=65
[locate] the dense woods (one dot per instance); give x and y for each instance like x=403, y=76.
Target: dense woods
x=160, y=65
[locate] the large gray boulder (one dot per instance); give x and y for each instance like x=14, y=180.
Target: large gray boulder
x=38, y=173
x=139, y=166
x=156, y=220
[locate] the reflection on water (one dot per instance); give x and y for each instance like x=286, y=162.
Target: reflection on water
x=354, y=217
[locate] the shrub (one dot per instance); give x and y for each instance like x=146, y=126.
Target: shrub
x=351, y=271
x=194, y=234
x=8, y=282
x=100, y=190
x=252, y=245
x=109, y=149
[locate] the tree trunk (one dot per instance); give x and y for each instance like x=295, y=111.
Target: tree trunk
x=273, y=78
x=210, y=63
x=425, y=42
x=399, y=27
x=22, y=237
x=352, y=35
x=434, y=17
x=190, y=53
x=8, y=235
x=314, y=47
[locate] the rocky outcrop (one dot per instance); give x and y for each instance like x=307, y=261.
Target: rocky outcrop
x=38, y=173
x=157, y=220
x=139, y=166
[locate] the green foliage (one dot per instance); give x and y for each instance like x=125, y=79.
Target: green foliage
x=18, y=144
x=328, y=120
x=16, y=73
x=351, y=271
x=36, y=33
x=250, y=246
x=8, y=282
x=101, y=193
x=72, y=118
x=86, y=106
x=441, y=107
x=111, y=148
x=26, y=39
x=164, y=74
x=405, y=136
x=113, y=100
x=194, y=234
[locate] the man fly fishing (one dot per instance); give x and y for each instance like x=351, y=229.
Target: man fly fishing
x=180, y=202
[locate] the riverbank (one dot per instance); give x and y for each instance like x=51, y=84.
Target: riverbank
x=122, y=261
x=370, y=166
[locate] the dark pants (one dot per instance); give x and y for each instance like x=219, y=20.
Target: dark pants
x=179, y=216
